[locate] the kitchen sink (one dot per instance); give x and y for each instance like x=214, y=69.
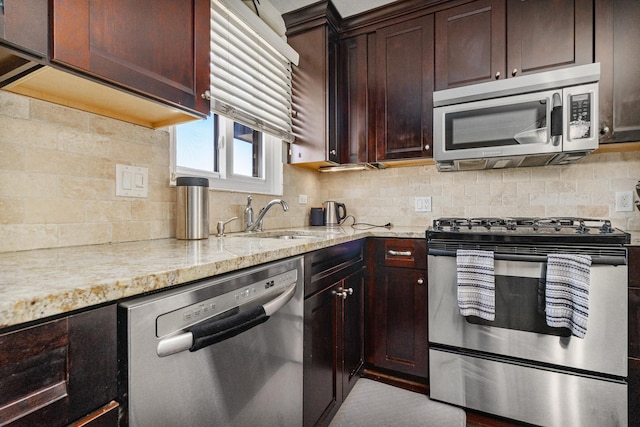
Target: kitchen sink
x=292, y=234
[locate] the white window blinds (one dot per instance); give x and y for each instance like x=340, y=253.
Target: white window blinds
x=250, y=79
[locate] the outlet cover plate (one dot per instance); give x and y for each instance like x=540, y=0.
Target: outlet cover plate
x=624, y=201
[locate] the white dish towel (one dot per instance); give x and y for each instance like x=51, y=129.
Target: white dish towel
x=567, y=292
x=476, y=283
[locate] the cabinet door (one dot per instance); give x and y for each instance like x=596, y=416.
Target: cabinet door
x=352, y=117
x=160, y=49
x=59, y=371
x=404, y=86
x=353, y=331
x=547, y=34
x=470, y=43
x=312, y=97
x=25, y=24
x=401, y=320
x=321, y=395
x=617, y=36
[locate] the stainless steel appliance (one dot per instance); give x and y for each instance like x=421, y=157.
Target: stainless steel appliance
x=226, y=351
x=516, y=366
x=533, y=120
x=334, y=213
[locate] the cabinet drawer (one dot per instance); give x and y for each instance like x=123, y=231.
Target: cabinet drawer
x=405, y=253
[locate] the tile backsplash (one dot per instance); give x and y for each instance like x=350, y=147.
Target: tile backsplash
x=57, y=185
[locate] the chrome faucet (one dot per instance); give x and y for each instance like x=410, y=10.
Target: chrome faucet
x=257, y=225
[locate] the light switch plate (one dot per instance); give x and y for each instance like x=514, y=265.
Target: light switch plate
x=423, y=204
x=132, y=181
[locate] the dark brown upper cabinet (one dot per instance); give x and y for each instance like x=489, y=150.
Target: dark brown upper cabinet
x=143, y=62
x=352, y=101
x=617, y=37
x=312, y=33
x=486, y=40
x=158, y=49
x=403, y=76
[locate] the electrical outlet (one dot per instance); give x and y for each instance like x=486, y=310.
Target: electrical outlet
x=302, y=199
x=423, y=204
x=624, y=201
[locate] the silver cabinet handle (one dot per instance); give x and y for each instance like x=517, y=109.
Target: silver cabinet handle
x=206, y=95
x=604, y=130
x=497, y=75
x=426, y=147
x=343, y=293
x=421, y=281
x=399, y=253
x=514, y=72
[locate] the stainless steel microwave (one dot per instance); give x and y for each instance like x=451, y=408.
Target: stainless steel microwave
x=534, y=120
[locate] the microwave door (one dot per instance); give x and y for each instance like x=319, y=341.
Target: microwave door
x=517, y=125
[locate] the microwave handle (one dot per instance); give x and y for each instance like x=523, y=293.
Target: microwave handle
x=556, y=119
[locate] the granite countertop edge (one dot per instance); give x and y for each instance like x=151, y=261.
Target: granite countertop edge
x=39, y=284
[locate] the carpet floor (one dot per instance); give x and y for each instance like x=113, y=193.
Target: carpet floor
x=374, y=404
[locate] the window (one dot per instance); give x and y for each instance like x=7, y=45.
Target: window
x=252, y=162
x=240, y=147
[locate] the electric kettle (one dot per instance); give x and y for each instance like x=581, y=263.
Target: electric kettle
x=334, y=213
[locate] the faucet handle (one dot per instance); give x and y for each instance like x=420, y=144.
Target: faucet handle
x=221, y=225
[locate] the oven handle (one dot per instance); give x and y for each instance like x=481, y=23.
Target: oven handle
x=205, y=334
x=595, y=259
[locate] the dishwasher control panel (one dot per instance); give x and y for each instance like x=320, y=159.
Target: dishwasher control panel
x=186, y=316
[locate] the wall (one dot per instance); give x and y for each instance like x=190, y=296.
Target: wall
x=57, y=185
x=585, y=189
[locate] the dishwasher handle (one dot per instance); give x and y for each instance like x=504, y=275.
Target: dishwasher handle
x=208, y=333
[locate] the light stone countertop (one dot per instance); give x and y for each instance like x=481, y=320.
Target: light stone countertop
x=41, y=283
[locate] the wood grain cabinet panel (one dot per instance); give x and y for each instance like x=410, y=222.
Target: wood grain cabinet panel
x=486, y=40
x=25, y=24
x=634, y=336
x=404, y=89
x=617, y=34
x=159, y=49
x=58, y=372
x=333, y=329
x=397, y=337
x=470, y=43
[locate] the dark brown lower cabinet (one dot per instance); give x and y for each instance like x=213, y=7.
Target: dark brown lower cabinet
x=397, y=313
x=333, y=329
x=633, y=394
x=61, y=372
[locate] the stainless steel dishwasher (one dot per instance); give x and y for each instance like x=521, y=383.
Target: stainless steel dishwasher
x=225, y=351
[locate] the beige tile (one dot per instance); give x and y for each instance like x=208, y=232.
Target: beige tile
x=108, y=211
x=87, y=144
x=27, y=132
x=86, y=188
x=57, y=114
x=12, y=156
x=21, y=237
x=84, y=234
x=25, y=184
x=11, y=211
x=149, y=211
x=131, y=231
x=53, y=211
x=14, y=105
x=55, y=162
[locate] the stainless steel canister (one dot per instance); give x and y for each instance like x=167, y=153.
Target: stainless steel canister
x=192, y=219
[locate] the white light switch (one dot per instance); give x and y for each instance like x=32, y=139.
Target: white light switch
x=423, y=204
x=132, y=181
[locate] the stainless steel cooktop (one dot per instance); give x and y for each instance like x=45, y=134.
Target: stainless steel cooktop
x=570, y=230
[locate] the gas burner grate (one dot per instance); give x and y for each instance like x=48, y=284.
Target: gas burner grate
x=551, y=224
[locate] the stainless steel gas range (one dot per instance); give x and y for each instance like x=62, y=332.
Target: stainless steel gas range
x=528, y=318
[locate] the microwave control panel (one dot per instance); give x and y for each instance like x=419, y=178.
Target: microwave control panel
x=580, y=116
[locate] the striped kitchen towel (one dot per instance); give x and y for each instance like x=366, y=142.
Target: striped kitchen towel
x=476, y=284
x=567, y=292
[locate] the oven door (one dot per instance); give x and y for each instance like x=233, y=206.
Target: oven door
x=519, y=330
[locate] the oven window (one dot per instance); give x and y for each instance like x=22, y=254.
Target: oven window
x=519, y=307
x=522, y=123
